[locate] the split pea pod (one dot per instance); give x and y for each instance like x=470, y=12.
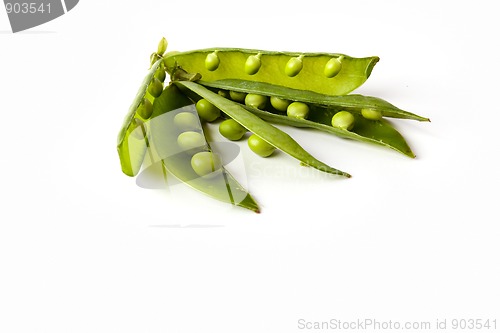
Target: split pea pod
x=174, y=114
x=324, y=73
x=260, y=127
x=132, y=140
x=354, y=102
x=372, y=131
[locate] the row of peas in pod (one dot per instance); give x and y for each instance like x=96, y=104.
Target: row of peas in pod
x=249, y=91
x=231, y=129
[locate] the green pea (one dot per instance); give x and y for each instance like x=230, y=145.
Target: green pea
x=333, y=67
x=205, y=163
x=371, y=114
x=212, y=61
x=155, y=87
x=207, y=111
x=161, y=74
x=224, y=93
x=298, y=110
x=237, y=96
x=259, y=146
x=145, y=110
x=190, y=140
x=294, y=66
x=343, y=120
x=256, y=101
x=279, y=104
x=232, y=130
x=252, y=65
x=162, y=46
x=186, y=121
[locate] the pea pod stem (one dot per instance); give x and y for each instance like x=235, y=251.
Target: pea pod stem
x=258, y=126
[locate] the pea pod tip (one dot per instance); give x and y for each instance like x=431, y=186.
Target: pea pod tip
x=329, y=170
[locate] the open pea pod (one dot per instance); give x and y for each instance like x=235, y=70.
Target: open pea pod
x=325, y=73
x=260, y=127
x=132, y=143
x=353, y=103
x=373, y=131
x=163, y=143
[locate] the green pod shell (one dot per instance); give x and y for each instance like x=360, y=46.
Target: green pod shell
x=221, y=185
x=132, y=150
x=273, y=68
x=354, y=103
x=258, y=126
x=138, y=129
x=380, y=132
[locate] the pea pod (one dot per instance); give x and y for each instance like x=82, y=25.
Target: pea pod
x=132, y=148
x=354, y=102
x=255, y=89
x=379, y=132
x=258, y=126
x=301, y=71
x=164, y=133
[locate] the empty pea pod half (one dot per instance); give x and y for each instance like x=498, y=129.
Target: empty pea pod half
x=325, y=73
x=249, y=91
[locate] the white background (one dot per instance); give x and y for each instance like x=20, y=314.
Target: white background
x=84, y=249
